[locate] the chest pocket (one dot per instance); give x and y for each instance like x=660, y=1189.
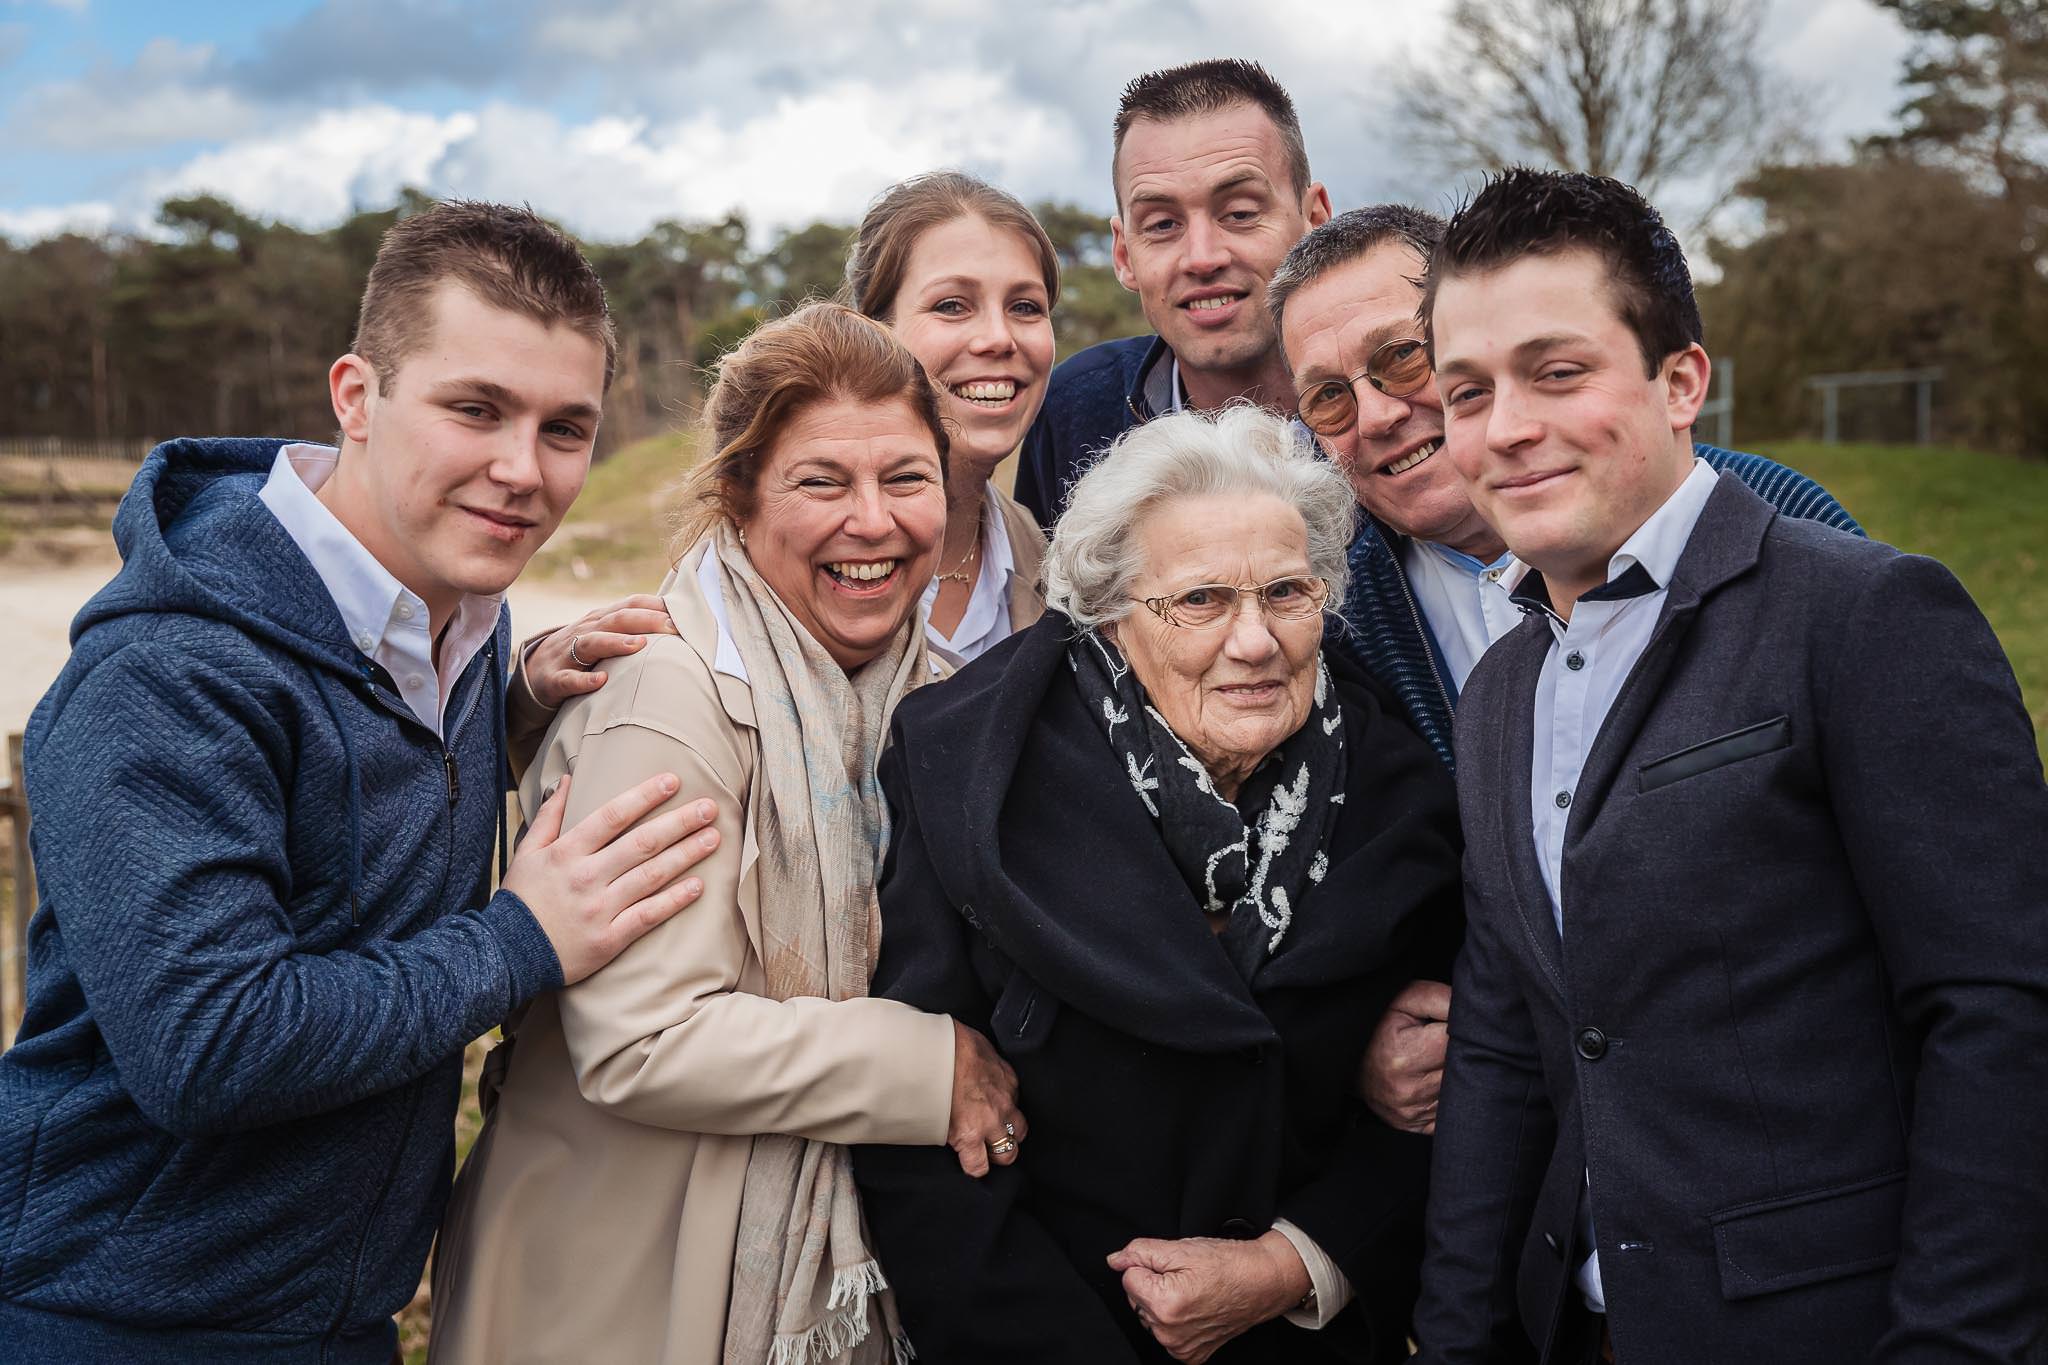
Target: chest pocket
x=1751, y=741
x=1023, y=1016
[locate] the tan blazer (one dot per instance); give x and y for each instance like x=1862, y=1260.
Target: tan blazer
x=595, y=1219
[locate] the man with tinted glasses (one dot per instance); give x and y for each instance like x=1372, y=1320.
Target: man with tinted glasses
x=1751, y=1045
x=1212, y=188
x=1426, y=597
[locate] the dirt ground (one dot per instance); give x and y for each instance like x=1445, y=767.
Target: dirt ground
x=39, y=596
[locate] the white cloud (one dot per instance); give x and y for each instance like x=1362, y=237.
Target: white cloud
x=322, y=169
x=28, y=225
x=169, y=94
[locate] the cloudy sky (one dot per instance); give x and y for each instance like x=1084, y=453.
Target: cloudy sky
x=613, y=114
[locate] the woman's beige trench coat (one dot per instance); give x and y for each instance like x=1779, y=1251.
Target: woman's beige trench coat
x=595, y=1219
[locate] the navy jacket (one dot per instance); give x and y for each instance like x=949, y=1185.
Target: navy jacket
x=265, y=934
x=1795, y=1033
x=1093, y=397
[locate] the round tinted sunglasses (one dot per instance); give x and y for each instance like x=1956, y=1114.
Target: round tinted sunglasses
x=1397, y=368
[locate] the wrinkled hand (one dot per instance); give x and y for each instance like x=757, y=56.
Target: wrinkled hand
x=1404, y=1062
x=553, y=676
x=984, y=1099
x=615, y=875
x=1196, y=1293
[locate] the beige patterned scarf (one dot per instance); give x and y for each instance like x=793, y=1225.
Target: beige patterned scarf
x=805, y=1288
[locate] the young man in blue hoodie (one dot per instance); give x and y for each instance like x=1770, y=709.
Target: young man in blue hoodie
x=267, y=787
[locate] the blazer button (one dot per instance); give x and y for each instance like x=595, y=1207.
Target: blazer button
x=1239, y=1230
x=1592, y=1044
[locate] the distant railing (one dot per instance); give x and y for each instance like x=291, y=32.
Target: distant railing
x=69, y=448
x=17, y=905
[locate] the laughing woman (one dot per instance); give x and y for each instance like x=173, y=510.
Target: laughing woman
x=967, y=278
x=659, y=1177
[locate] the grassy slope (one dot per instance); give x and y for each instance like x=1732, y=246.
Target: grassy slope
x=1985, y=516
x=619, y=528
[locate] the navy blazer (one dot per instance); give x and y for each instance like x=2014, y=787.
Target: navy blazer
x=1794, y=1039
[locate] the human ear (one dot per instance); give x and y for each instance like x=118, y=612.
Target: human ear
x=1316, y=205
x=1120, y=254
x=351, y=383
x=1686, y=375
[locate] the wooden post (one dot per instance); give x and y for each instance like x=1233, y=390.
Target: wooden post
x=14, y=911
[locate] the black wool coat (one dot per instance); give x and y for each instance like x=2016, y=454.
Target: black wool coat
x=1028, y=893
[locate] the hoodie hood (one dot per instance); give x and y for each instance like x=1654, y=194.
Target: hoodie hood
x=197, y=540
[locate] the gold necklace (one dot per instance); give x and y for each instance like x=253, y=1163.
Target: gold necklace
x=961, y=574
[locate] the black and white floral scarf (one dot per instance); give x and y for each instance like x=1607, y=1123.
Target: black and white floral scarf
x=1259, y=872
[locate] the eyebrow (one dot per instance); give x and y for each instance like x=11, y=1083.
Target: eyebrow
x=504, y=397
x=1411, y=330
x=1550, y=341
x=1244, y=177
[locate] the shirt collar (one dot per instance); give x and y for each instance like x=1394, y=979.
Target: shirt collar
x=365, y=592
x=1646, y=560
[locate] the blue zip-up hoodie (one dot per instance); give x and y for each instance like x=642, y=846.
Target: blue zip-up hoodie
x=265, y=933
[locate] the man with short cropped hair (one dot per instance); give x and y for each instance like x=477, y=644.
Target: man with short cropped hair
x=267, y=786
x=1212, y=188
x=1751, y=1031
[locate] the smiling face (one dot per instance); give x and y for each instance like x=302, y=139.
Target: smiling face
x=1391, y=450
x=465, y=466
x=973, y=309
x=1207, y=212
x=1566, y=446
x=848, y=511
x=1232, y=692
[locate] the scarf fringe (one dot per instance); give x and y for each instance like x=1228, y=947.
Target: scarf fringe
x=845, y=1325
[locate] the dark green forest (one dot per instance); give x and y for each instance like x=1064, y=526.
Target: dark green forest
x=225, y=323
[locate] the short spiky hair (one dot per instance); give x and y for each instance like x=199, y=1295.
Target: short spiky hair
x=1523, y=212
x=1208, y=87
x=511, y=258
x=1344, y=239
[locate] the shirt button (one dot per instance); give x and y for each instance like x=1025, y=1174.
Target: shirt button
x=1575, y=661
x=415, y=682
x=365, y=643
x=405, y=611
x=1493, y=575
x=1563, y=799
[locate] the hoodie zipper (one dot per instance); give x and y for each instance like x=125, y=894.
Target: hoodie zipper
x=476, y=695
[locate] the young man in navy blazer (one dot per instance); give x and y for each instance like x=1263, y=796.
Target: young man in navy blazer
x=1749, y=1043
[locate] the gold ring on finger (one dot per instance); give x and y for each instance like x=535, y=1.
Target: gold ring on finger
x=1003, y=1146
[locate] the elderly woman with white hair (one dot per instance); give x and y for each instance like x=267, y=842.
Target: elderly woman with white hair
x=1175, y=863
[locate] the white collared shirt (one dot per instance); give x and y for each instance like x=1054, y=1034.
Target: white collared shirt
x=1590, y=657
x=1464, y=603
x=986, y=622
x=385, y=619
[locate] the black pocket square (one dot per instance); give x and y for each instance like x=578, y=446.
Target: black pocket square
x=1751, y=740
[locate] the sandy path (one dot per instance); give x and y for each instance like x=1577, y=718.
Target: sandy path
x=37, y=604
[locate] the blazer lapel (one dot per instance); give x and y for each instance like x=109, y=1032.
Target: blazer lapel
x=1526, y=649
x=1724, y=544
